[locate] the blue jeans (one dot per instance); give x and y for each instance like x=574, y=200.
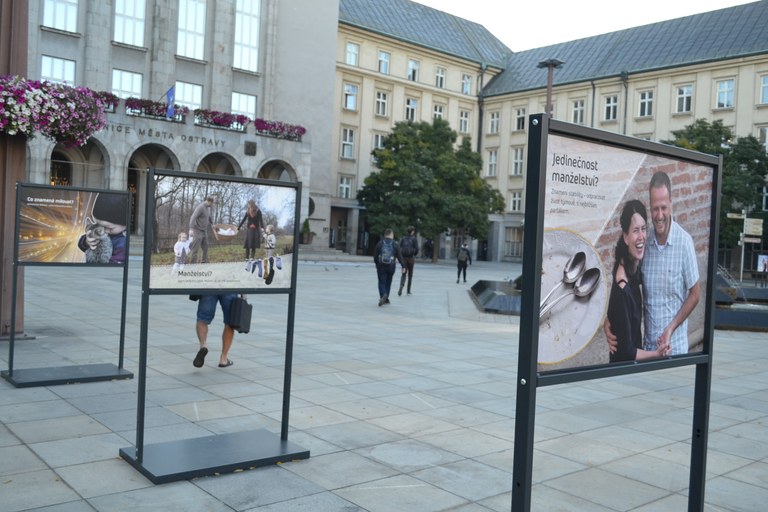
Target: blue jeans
x=385, y=273
x=206, y=307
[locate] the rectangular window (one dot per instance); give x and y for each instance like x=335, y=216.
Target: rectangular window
x=413, y=70
x=384, y=62
x=440, y=77
x=60, y=14
x=126, y=84
x=516, y=202
x=517, y=161
x=466, y=84
x=611, y=112
x=684, y=99
x=246, y=47
x=493, y=124
x=411, y=104
x=382, y=103
x=353, y=54
x=765, y=199
x=189, y=95
x=577, y=112
x=129, y=22
x=513, y=242
x=347, y=143
x=493, y=156
x=244, y=104
x=464, y=121
x=191, y=35
x=764, y=90
x=350, y=97
x=378, y=143
x=438, y=111
x=520, y=119
x=725, y=93
x=762, y=136
x=646, y=104
x=345, y=187
x=58, y=70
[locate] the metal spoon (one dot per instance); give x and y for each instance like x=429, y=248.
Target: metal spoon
x=574, y=268
x=584, y=287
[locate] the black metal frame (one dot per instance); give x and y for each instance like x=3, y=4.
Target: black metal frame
x=205, y=456
x=51, y=376
x=529, y=378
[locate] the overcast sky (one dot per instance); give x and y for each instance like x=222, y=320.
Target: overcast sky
x=526, y=25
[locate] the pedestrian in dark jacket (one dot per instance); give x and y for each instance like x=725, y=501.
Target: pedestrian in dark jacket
x=386, y=254
x=409, y=249
x=463, y=258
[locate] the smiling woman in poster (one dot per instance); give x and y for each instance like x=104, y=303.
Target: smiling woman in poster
x=625, y=306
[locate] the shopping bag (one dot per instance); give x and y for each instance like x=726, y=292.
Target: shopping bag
x=240, y=315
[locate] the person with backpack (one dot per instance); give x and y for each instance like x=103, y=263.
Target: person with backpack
x=409, y=248
x=386, y=254
x=463, y=257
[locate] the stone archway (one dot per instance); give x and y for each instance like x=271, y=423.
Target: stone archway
x=277, y=170
x=84, y=166
x=219, y=163
x=148, y=156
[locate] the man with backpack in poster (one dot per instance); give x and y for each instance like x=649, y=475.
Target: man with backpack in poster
x=385, y=256
x=409, y=248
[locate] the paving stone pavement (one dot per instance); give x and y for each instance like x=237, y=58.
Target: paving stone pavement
x=405, y=407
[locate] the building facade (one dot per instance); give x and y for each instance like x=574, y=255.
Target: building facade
x=228, y=56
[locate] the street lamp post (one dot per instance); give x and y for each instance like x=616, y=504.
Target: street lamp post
x=551, y=65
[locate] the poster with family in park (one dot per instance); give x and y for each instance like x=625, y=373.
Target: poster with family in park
x=68, y=225
x=220, y=233
x=625, y=255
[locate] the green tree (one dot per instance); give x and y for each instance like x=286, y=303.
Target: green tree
x=423, y=180
x=745, y=165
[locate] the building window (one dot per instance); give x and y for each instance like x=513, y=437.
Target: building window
x=244, y=104
x=765, y=199
x=438, y=111
x=493, y=124
x=347, y=143
x=611, y=111
x=189, y=95
x=493, y=156
x=126, y=84
x=646, y=104
x=382, y=101
x=58, y=70
x=577, y=112
x=520, y=119
x=466, y=84
x=464, y=121
x=413, y=70
x=516, y=202
x=684, y=99
x=725, y=93
x=384, y=63
x=411, y=104
x=353, y=53
x=513, y=242
x=60, y=14
x=440, y=77
x=517, y=161
x=246, y=47
x=191, y=37
x=350, y=97
x=345, y=187
x=762, y=136
x=378, y=143
x=129, y=22
x=764, y=89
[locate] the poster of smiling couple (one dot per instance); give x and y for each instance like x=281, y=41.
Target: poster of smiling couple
x=219, y=232
x=626, y=253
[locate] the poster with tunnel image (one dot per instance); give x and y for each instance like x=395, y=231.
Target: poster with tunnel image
x=626, y=246
x=71, y=226
x=213, y=232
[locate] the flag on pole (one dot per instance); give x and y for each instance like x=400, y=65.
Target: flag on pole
x=170, y=99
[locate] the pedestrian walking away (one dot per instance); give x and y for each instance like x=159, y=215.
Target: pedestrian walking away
x=409, y=249
x=206, y=310
x=463, y=258
x=386, y=255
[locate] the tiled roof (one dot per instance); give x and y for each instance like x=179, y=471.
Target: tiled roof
x=723, y=34
x=426, y=27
